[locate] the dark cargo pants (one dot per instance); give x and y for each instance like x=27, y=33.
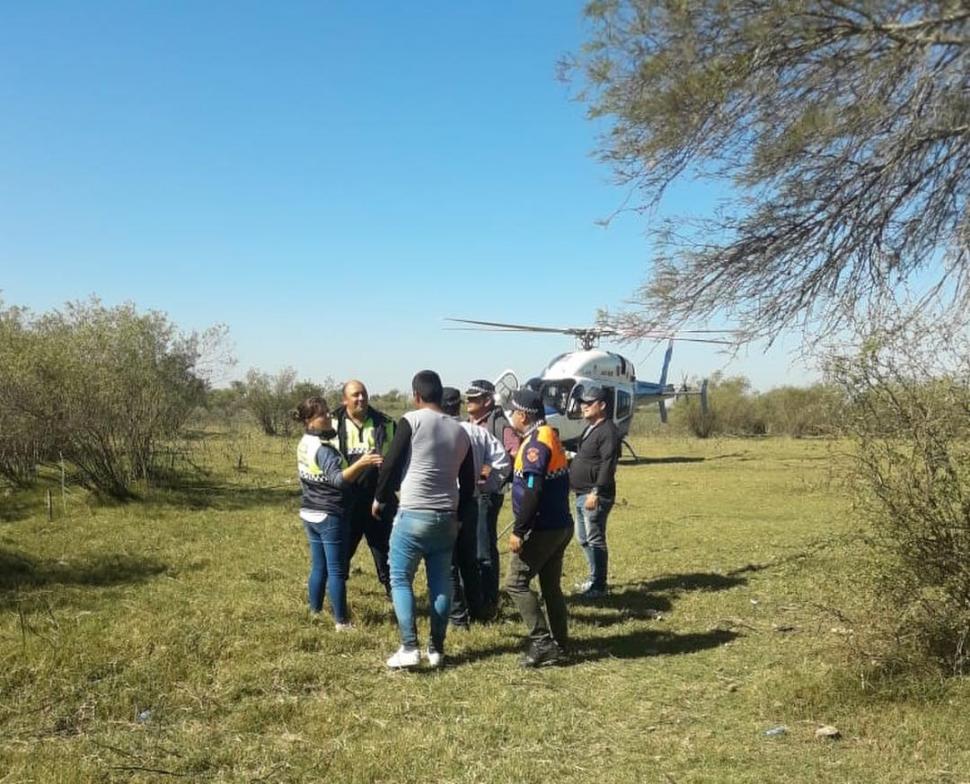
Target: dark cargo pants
x=541, y=555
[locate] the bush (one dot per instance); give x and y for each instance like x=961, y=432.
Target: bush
x=100, y=387
x=22, y=445
x=272, y=398
x=800, y=412
x=908, y=411
x=733, y=409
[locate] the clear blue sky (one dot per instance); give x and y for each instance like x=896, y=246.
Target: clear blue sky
x=329, y=180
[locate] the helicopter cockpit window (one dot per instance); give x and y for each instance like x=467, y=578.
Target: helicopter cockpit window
x=573, y=410
x=555, y=395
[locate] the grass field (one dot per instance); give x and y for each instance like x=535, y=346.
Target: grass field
x=167, y=640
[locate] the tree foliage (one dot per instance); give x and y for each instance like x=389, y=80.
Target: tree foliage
x=271, y=398
x=842, y=127
x=736, y=409
x=908, y=394
x=23, y=445
x=101, y=388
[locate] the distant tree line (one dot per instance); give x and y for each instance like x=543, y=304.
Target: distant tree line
x=735, y=408
x=268, y=399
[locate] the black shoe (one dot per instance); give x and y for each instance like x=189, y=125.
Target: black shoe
x=542, y=654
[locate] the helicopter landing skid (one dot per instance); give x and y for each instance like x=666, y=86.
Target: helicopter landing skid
x=625, y=443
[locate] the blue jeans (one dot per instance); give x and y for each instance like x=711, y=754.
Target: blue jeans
x=489, y=505
x=591, y=534
x=429, y=535
x=328, y=565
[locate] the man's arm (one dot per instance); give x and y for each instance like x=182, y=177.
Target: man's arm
x=389, y=479
x=535, y=463
x=528, y=505
x=607, y=450
x=466, y=478
x=499, y=464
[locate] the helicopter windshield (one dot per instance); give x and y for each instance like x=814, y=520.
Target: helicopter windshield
x=555, y=395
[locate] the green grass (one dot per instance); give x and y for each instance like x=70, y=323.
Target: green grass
x=189, y=605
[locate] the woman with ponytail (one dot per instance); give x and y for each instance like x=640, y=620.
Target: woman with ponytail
x=323, y=475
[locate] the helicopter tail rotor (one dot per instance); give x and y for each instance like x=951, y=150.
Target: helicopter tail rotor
x=666, y=366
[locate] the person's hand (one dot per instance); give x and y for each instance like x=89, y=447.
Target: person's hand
x=592, y=501
x=515, y=543
x=375, y=510
x=371, y=459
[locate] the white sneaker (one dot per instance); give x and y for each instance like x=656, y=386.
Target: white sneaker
x=585, y=585
x=344, y=627
x=435, y=659
x=404, y=658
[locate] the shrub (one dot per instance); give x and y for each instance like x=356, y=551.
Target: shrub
x=801, y=411
x=101, y=387
x=271, y=398
x=908, y=411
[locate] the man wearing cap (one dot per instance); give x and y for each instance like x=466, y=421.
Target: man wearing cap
x=480, y=403
x=540, y=531
x=492, y=467
x=592, y=477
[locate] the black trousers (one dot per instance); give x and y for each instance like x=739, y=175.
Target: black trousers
x=467, y=600
x=377, y=533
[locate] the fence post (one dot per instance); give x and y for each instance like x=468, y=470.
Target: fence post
x=50, y=505
x=63, y=485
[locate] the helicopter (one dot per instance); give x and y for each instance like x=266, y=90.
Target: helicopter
x=565, y=377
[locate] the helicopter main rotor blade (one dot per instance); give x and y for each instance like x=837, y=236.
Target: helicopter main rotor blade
x=590, y=332
x=511, y=327
x=679, y=339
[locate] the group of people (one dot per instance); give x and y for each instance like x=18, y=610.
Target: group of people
x=430, y=488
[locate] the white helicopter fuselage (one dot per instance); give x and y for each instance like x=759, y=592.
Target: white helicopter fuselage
x=563, y=381
x=566, y=377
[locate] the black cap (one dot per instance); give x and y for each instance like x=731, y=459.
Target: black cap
x=450, y=400
x=480, y=387
x=593, y=395
x=527, y=400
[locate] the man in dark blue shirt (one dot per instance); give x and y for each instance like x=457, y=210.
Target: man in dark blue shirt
x=540, y=531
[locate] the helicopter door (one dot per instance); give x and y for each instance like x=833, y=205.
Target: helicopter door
x=505, y=385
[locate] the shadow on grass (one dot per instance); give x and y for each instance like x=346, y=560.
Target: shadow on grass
x=194, y=494
x=18, y=572
x=671, y=460
x=691, y=581
x=633, y=645
x=18, y=507
x=618, y=607
x=649, y=642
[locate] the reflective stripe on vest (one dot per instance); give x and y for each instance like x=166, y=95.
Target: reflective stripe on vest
x=306, y=458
